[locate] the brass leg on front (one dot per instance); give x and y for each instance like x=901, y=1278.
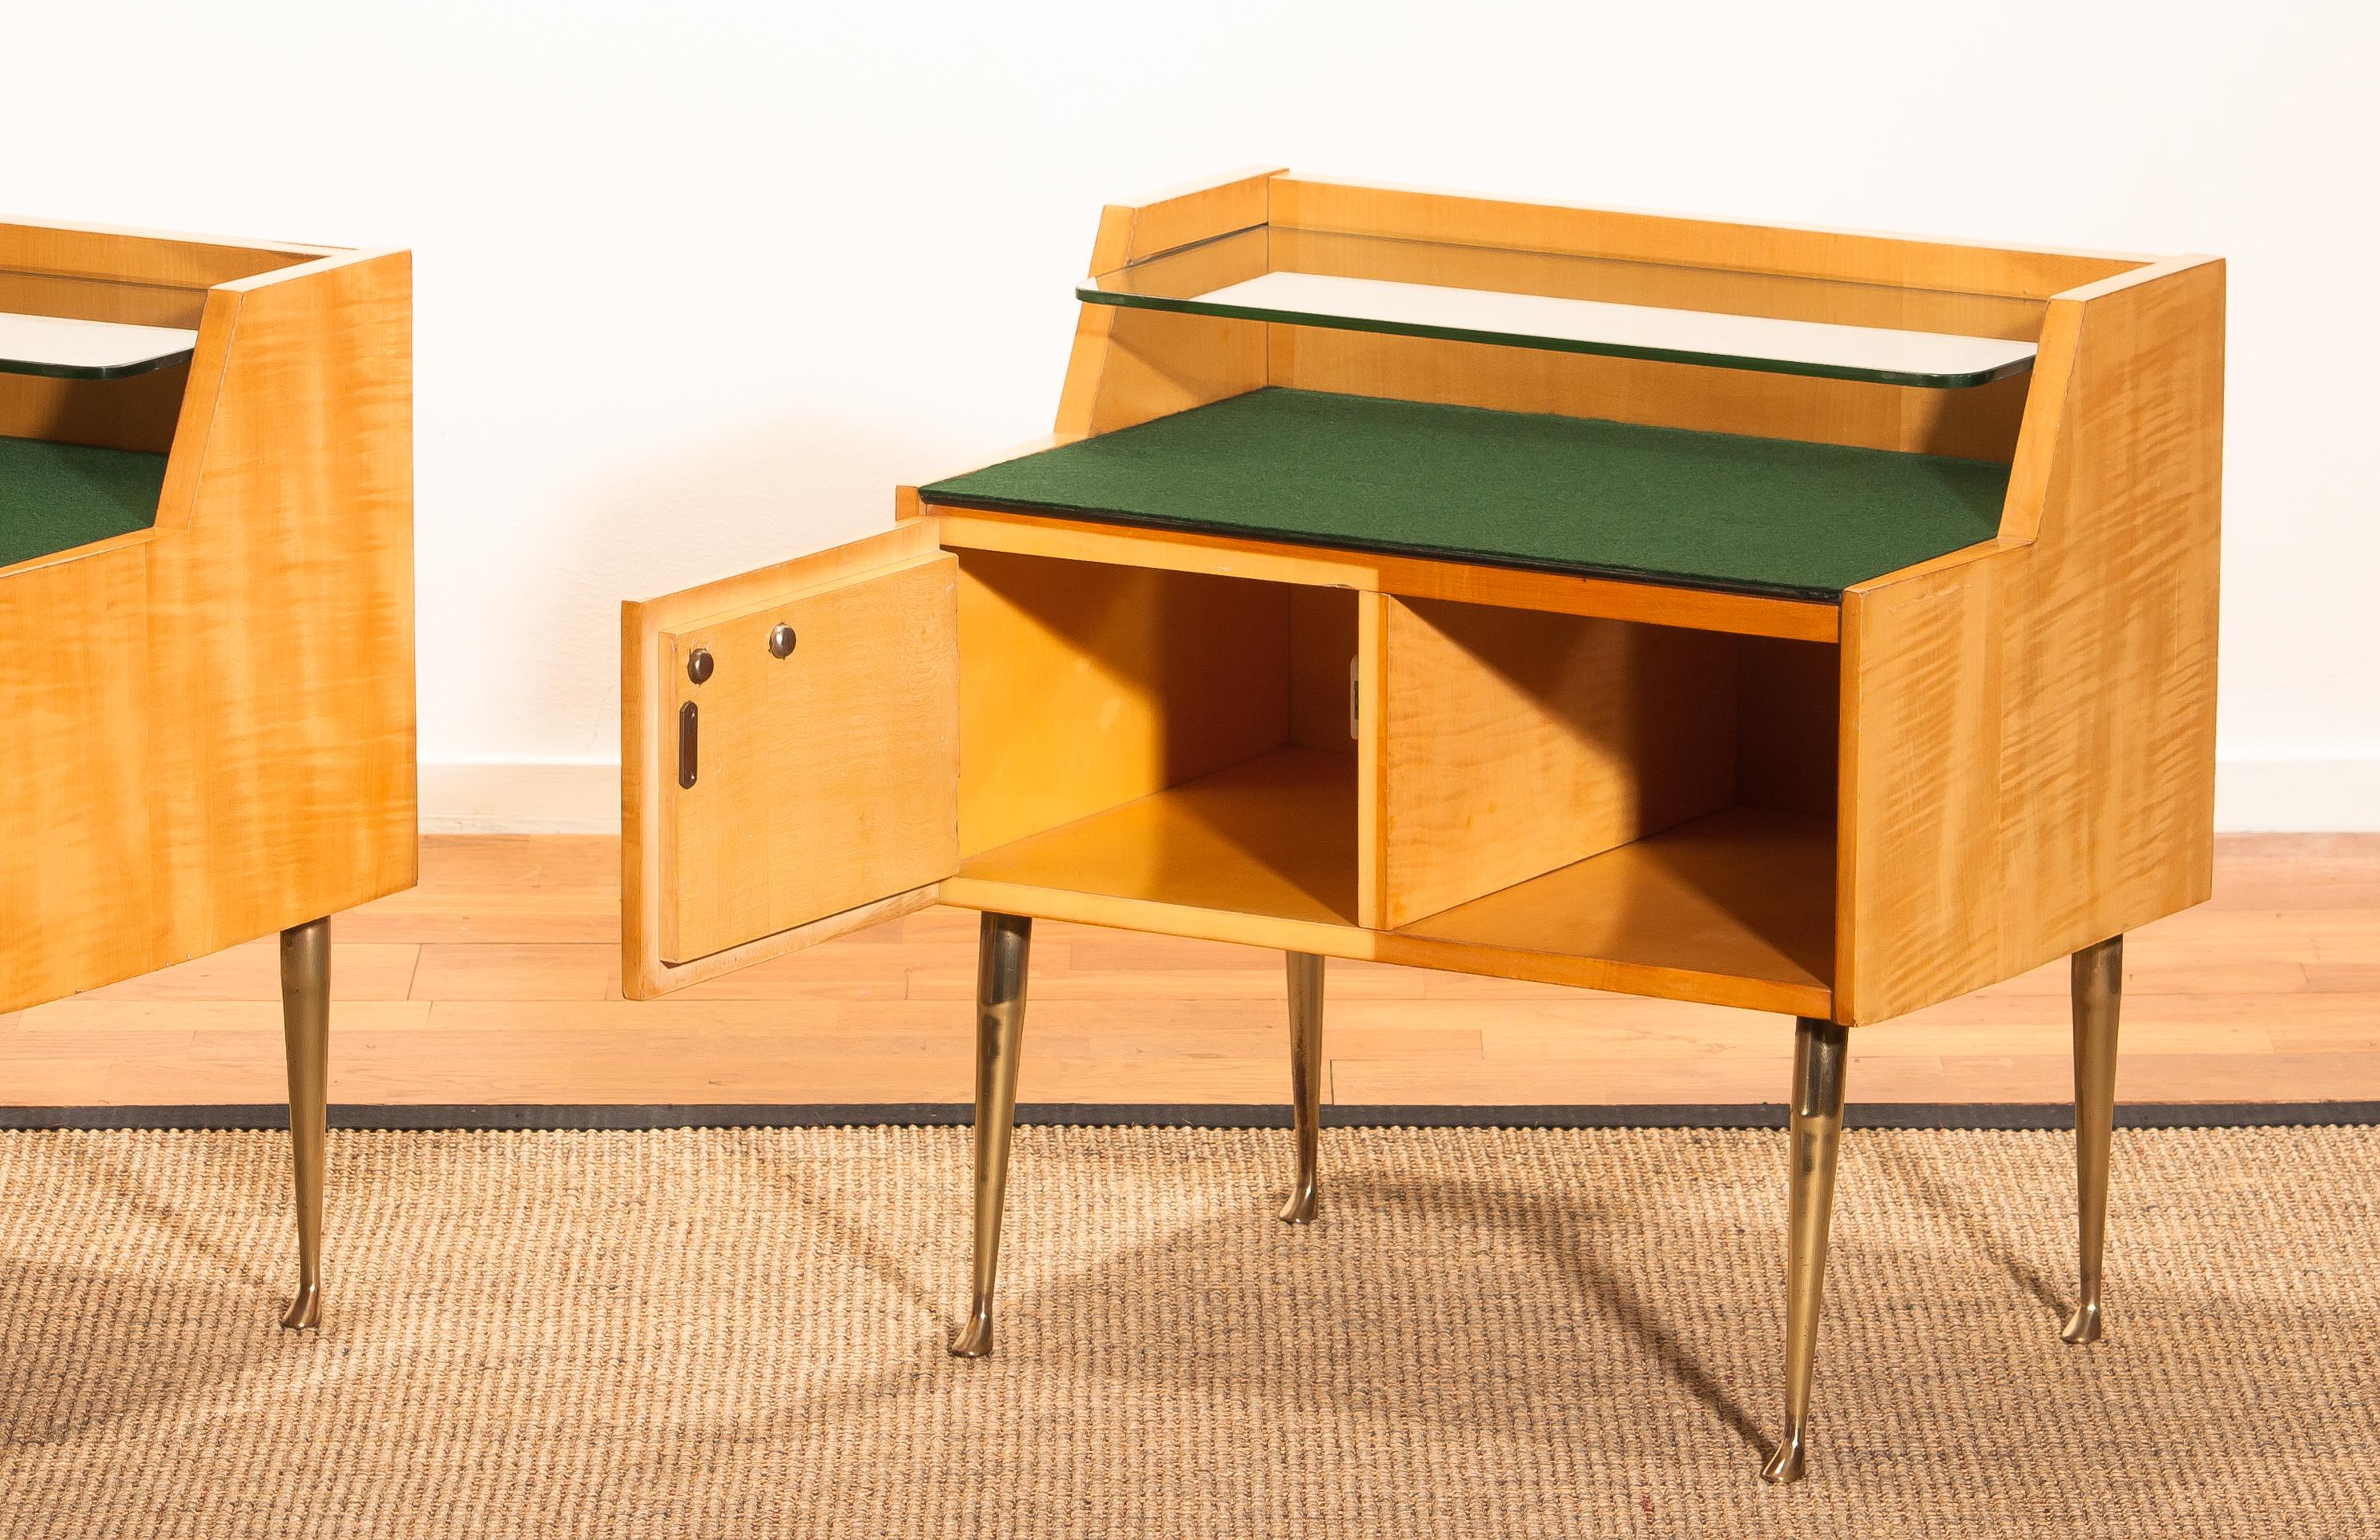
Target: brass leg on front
x=1003, y=946
x=306, y=1028
x=1816, y=1133
x=1304, y=1080
x=2098, y=984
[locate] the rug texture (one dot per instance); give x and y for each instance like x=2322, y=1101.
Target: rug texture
x=1489, y=1333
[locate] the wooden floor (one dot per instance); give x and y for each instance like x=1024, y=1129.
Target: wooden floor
x=497, y=980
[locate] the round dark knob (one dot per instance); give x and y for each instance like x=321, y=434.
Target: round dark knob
x=781, y=641
x=697, y=664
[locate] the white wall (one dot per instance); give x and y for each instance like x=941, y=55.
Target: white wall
x=698, y=283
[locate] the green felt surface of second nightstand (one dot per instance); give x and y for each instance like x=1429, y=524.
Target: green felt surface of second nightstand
x=56, y=496
x=1706, y=510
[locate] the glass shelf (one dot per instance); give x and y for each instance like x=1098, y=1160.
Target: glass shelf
x=1721, y=317
x=64, y=348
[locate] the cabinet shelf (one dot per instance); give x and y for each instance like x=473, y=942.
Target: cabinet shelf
x=1571, y=304
x=1745, y=892
x=1273, y=835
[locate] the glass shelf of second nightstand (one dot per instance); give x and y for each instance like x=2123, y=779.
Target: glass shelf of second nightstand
x=63, y=347
x=1723, y=318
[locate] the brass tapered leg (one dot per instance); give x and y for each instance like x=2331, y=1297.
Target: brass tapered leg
x=1305, y=1079
x=1002, y=949
x=306, y=1028
x=2098, y=983
x=1816, y=1133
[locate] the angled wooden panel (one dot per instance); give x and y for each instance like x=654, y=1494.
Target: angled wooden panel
x=224, y=703
x=2028, y=758
x=280, y=630
x=2108, y=774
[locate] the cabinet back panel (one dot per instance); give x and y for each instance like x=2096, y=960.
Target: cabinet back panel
x=1083, y=685
x=137, y=413
x=1515, y=742
x=1787, y=725
x=1976, y=424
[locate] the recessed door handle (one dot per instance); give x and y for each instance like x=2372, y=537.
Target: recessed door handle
x=688, y=737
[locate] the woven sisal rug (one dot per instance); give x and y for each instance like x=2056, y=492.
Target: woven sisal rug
x=1490, y=1333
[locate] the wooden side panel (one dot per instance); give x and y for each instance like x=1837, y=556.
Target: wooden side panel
x=212, y=734
x=649, y=694
x=2108, y=774
x=281, y=610
x=75, y=884
x=824, y=779
x=1978, y=424
x=2028, y=731
x=1081, y=687
x=1513, y=741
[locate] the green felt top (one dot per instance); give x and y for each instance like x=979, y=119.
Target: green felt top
x=56, y=496
x=1513, y=489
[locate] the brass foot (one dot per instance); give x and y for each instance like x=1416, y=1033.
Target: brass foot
x=974, y=1339
x=304, y=1312
x=2098, y=994
x=1003, y=951
x=1815, y=1134
x=1786, y=1466
x=306, y=1030
x=1304, y=1081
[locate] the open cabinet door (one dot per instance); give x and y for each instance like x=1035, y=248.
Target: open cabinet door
x=788, y=756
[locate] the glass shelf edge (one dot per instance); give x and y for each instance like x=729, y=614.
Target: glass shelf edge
x=39, y=369
x=1091, y=294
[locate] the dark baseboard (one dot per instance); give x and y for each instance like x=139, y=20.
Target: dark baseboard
x=1926, y=1115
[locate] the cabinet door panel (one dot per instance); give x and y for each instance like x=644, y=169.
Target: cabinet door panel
x=770, y=802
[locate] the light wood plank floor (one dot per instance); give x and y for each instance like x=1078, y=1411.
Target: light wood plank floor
x=497, y=980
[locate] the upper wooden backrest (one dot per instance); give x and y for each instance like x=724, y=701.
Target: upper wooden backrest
x=122, y=275
x=1130, y=366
